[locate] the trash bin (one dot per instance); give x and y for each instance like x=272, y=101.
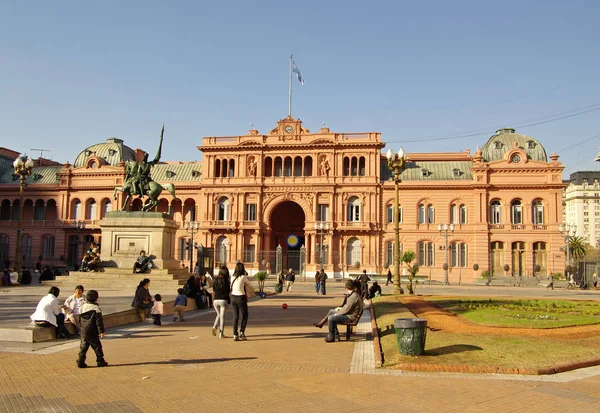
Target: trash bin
x=410, y=335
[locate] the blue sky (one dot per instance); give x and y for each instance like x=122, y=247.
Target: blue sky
x=74, y=73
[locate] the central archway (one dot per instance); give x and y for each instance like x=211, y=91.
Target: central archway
x=287, y=224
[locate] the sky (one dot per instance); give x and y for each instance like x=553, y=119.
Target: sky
x=430, y=76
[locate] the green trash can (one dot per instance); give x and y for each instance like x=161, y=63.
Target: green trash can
x=410, y=335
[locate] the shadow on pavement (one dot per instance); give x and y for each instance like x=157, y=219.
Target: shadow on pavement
x=186, y=361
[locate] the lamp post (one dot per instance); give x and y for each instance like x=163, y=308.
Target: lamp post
x=78, y=226
x=22, y=167
x=320, y=226
x=446, y=230
x=192, y=228
x=396, y=163
x=567, y=231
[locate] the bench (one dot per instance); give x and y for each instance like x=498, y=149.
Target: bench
x=351, y=324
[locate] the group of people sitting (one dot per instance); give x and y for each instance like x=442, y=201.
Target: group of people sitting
x=91, y=258
x=48, y=313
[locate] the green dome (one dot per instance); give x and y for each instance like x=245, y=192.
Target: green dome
x=112, y=151
x=503, y=141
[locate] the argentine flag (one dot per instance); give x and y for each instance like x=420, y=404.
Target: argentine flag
x=297, y=71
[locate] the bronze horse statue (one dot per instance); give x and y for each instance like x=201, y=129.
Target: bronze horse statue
x=153, y=192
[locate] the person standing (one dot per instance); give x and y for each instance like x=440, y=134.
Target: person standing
x=222, y=290
x=551, y=283
x=158, y=310
x=239, y=300
x=290, y=277
x=318, y=282
x=92, y=330
x=595, y=281
x=179, y=305
x=364, y=284
x=47, y=313
x=323, y=281
x=142, y=300
x=72, y=306
x=389, y=278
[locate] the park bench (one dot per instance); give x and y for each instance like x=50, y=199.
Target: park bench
x=351, y=324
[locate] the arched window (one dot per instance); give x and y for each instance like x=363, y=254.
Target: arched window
x=497, y=260
x=90, y=211
x=14, y=211
x=217, y=168
x=430, y=214
x=462, y=214
x=389, y=214
x=26, y=246
x=354, y=166
x=278, y=166
x=231, y=168
x=353, y=252
x=537, y=212
x=421, y=214
x=298, y=166
x=51, y=210
x=540, y=257
x=222, y=250
x=346, y=166
x=389, y=254
x=308, y=166
x=287, y=166
x=268, y=166
x=426, y=254
x=106, y=207
x=5, y=210
x=354, y=209
x=361, y=166
x=5, y=244
x=458, y=254
x=453, y=214
x=223, y=209
x=518, y=258
x=39, y=210
x=48, y=246
x=516, y=212
x=76, y=210
x=495, y=212
x=224, y=168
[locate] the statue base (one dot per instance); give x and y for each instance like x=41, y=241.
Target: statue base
x=125, y=234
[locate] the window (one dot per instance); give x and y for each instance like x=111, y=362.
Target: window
x=426, y=254
x=421, y=214
x=353, y=252
x=48, y=246
x=430, y=214
x=39, y=211
x=90, y=212
x=106, y=207
x=389, y=214
x=76, y=211
x=323, y=213
x=354, y=209
x=4, y=242
x=223, y=210
x=495, y=212
x=516, y=212
x=453, y=214
x=222, y=250
x=389, y=254
x=251, y=213
x=462, y=218
x=538, y=212
x=458, y=254
x=231, y=168
x=14, y=212
x=249, y=253
x=26, y=246
x=361, y=166
x=287, y=167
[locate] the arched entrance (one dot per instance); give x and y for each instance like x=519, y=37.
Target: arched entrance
x=287, y=230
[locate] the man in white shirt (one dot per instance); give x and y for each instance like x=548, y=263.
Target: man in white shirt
x=48, y=313
x=73, y=304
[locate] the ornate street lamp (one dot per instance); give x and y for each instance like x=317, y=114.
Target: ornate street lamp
x=568, y=231
x=321, y=227
x=22, y=167
x=192, y=228
x=446, y=231
x=396, y=163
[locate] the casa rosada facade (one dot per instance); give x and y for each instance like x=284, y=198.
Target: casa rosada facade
x=293, y=198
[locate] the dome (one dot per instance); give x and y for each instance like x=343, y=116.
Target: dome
x=503, y=141
x=112, y=151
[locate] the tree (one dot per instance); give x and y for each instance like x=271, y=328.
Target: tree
x=407, y=258
x=577, y=248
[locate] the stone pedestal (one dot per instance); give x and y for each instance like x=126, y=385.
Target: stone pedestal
x=125, y=234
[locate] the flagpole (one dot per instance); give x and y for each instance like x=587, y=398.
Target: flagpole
x=290, y=94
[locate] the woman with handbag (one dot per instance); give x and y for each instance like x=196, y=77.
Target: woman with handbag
x=142, y=300
x=222, y=289
x=240, y=289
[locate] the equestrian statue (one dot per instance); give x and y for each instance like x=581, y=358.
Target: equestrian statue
x=138, y=181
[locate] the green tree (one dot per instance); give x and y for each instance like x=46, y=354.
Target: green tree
x=413, y=269
x=577, y=249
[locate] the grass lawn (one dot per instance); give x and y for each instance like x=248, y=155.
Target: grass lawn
x=502, y=350
x=523, y=313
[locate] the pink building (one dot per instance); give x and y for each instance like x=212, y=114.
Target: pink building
x=292, y=198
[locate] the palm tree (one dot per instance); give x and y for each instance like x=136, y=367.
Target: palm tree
x=577, y=249
x=407, y=258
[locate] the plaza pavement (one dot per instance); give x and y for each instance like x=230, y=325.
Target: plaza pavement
x=285, y=366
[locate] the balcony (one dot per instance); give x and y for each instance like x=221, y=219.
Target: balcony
x=221, y=225
x=518, y=227
x=539, y=227
x=496, y=226
x=354, y=226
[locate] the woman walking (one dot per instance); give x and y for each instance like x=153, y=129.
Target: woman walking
x=143, y=299
x=239, y=300
x=317, y=282
x=222, y=289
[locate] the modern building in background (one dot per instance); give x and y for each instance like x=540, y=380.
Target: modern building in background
x=582, y=205
x=301, y=199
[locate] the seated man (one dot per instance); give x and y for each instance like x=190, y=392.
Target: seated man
x=85, y=261
x=46, y=275
x=375, y=290
x=47, y=313
x=346, y=313
x=143, y=263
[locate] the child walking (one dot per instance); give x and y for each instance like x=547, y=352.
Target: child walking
x=157, y=310
x=179, y=304
x=92, y=329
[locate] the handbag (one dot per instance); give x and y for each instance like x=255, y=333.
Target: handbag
x=249, y=291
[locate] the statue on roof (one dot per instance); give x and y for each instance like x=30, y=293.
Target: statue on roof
x=138, y=181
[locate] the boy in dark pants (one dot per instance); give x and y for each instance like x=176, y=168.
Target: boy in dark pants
x=92, y=329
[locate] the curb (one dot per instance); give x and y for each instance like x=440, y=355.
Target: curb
x=376, y=341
